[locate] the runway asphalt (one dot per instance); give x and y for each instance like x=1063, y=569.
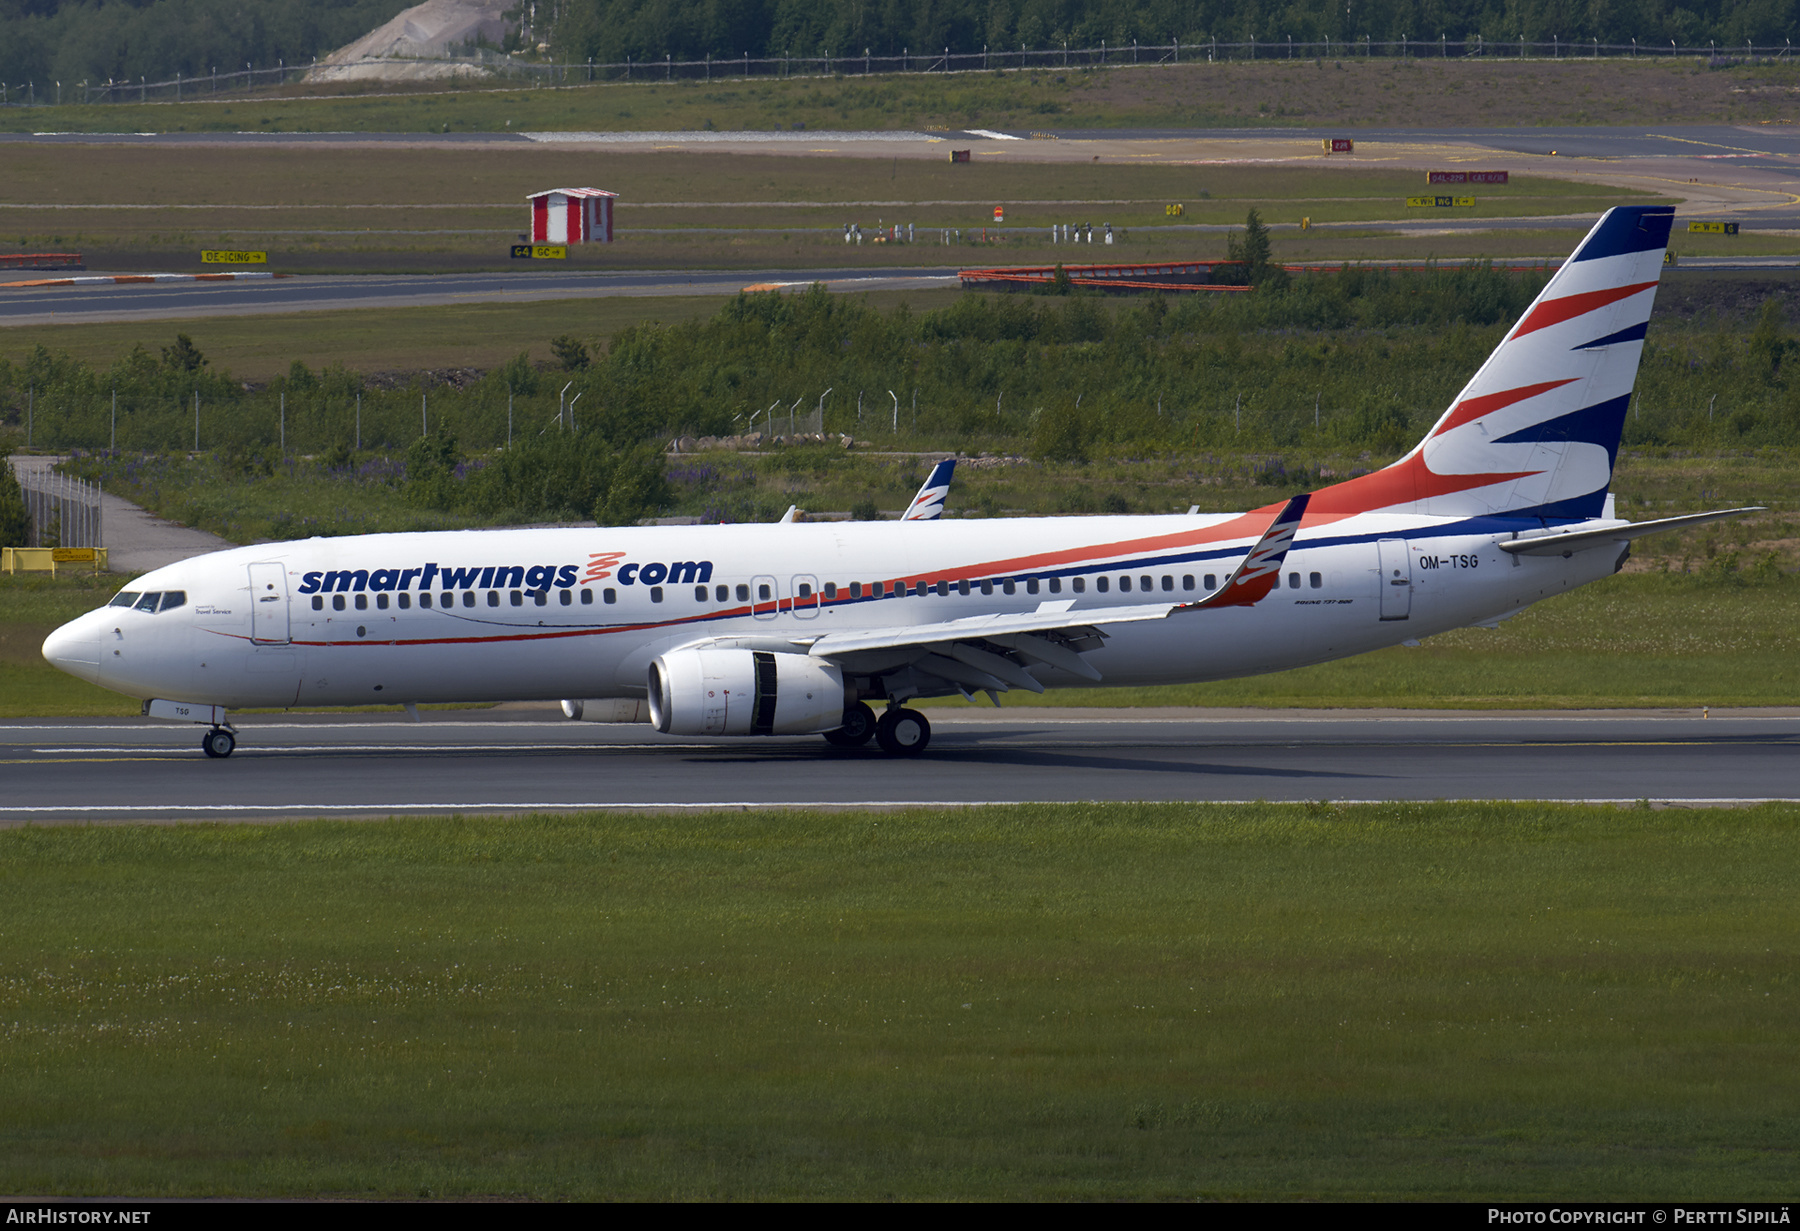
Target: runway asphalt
x=1580, y=141
x=1664, y=141
x=523, y=759
x=180, y=301
x=165, y=301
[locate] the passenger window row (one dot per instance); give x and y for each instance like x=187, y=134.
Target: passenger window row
x=162, y=600
x=1143, y=582
x=1030, y=585
x=404, y=601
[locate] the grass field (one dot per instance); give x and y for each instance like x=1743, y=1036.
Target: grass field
x=413, y=182
x=1401, y=1002
x=335, y=209
x=378, y=340
x=1649, y=639
x=1265, y=93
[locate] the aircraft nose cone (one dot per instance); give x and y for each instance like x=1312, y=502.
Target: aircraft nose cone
x=75, y=648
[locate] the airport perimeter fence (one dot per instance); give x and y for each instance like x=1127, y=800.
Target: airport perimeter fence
x=63, y=511
x=477, y=70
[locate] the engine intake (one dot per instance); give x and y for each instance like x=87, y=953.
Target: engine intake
x=744, y=692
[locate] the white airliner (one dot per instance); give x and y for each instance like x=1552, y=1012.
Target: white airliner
x=794, y=629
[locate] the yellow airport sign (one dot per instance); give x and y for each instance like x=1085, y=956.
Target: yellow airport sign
x=1712, y=228
x=46, y=559
x=1440, y=202
x=540, y=252
x=220, y=256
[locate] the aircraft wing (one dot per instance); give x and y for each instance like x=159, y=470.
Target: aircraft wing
x=1567, y=542
x=997, y=652
x=1049, y=617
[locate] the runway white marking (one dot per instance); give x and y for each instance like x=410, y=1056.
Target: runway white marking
x=885, y=805
x=715, y=137
x=1435, y=718
x=458, y=749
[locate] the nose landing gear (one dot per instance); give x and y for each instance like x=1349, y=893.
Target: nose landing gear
x=218, y=742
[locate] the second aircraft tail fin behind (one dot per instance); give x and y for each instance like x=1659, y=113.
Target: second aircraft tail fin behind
x=928, y=505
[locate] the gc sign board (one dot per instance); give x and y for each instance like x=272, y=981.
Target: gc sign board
x=540, y=252
x=1466, y=177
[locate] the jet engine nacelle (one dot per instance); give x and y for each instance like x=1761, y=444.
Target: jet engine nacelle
x=744, y=692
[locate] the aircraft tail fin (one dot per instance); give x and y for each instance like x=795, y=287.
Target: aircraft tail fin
x=1535, y=433
x=928, y=505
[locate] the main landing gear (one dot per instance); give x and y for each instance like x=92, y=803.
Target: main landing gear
x=218, y=742
x=858, y=728
x=899, y=732
x=903, y=733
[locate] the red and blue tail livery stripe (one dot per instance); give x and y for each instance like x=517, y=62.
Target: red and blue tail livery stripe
x=1535, y=433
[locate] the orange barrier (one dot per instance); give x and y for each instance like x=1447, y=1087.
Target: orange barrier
x=41, y=260
x=1422, y=267
x=1174, y=276
x=1185, y=276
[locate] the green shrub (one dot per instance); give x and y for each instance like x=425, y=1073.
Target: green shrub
x=15, y=525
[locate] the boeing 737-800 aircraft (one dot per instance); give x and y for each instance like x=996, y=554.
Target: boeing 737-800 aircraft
x=795, y=629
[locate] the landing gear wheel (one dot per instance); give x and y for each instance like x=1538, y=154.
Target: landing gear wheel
x=903, y=733
x=218, y=742
x=858, y=728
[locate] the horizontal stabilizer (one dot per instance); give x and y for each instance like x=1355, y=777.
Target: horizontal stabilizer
x=1570, y=541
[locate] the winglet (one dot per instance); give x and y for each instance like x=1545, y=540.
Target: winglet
x=1261, y=570
x=928, y=505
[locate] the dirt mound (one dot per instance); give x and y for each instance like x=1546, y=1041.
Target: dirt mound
x=404, y=48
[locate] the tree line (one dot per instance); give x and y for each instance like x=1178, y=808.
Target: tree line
x=1359, y=361
x=612, y=30
x=45, y=41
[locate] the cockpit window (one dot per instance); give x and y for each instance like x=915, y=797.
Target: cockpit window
x=163, y=600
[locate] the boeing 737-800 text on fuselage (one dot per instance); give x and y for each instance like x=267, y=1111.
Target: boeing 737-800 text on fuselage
x=794, y=629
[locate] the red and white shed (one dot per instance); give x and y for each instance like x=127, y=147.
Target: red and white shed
x=572, y=216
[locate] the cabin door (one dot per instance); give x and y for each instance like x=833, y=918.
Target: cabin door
x=269, y=604
x=1396, y=579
